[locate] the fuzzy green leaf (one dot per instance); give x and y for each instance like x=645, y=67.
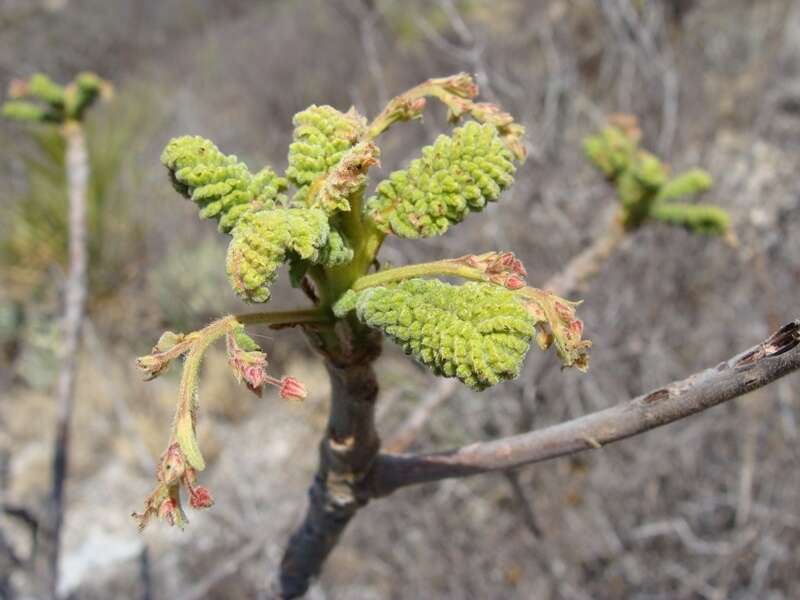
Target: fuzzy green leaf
x=690, y=183
x=187, y=439
x=45, y=89
x=456, y=175
x=261, y=242
x=336, y=251
x=220, y=185
x=20, y=110
x=476, y=332
x=643, y=184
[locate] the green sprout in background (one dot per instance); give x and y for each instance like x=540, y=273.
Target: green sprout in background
x=645, y=188
x=40, y=100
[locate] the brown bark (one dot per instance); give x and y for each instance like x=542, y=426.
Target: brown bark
x=346, y=454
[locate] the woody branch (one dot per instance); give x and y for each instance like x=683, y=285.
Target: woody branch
x=775, y=357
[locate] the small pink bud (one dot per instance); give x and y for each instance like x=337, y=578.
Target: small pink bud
x=506, y=259
x=518, y=268
x=564, y=311
x=291, y=389
x=173, y=465
x=576, y=327
x=254, y=377
x=514, y=283
x=168, y=511
x=418, y=105
x=200, y=497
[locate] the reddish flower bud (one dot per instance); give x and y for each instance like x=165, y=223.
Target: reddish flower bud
x=254, y=376
x=418, y=105
x=514, y=283
x=291, y=389
x=200, y=497
x=576, y=327
x=168, y=511
x=506, y=259
x=173, y=465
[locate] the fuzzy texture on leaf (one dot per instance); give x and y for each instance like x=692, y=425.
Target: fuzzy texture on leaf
x=644, y=186
x=261, y=242
x=322, y=136
x=219, y=184
x=336, y=251
x=477, y=332
x=456, y=175
x=690, y=183
x=45, y=89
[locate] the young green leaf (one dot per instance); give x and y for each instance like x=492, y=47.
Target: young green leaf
x=456, y=175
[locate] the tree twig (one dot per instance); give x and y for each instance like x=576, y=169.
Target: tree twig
x=775, y=357
x=77, y=170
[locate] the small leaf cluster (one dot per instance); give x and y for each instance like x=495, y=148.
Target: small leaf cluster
x=41, y=100
x=328, y=162
x=318, y=219
x=645, y=188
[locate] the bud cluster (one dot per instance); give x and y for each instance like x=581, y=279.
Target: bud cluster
x=644, y=186
x=40, y=99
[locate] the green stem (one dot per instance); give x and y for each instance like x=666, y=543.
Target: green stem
x=436, y=268
x=366, y=239
x=184, y=429
x=288, y=317
x=454, y=92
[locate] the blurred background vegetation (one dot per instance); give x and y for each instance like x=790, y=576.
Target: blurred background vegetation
x=704, y=509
